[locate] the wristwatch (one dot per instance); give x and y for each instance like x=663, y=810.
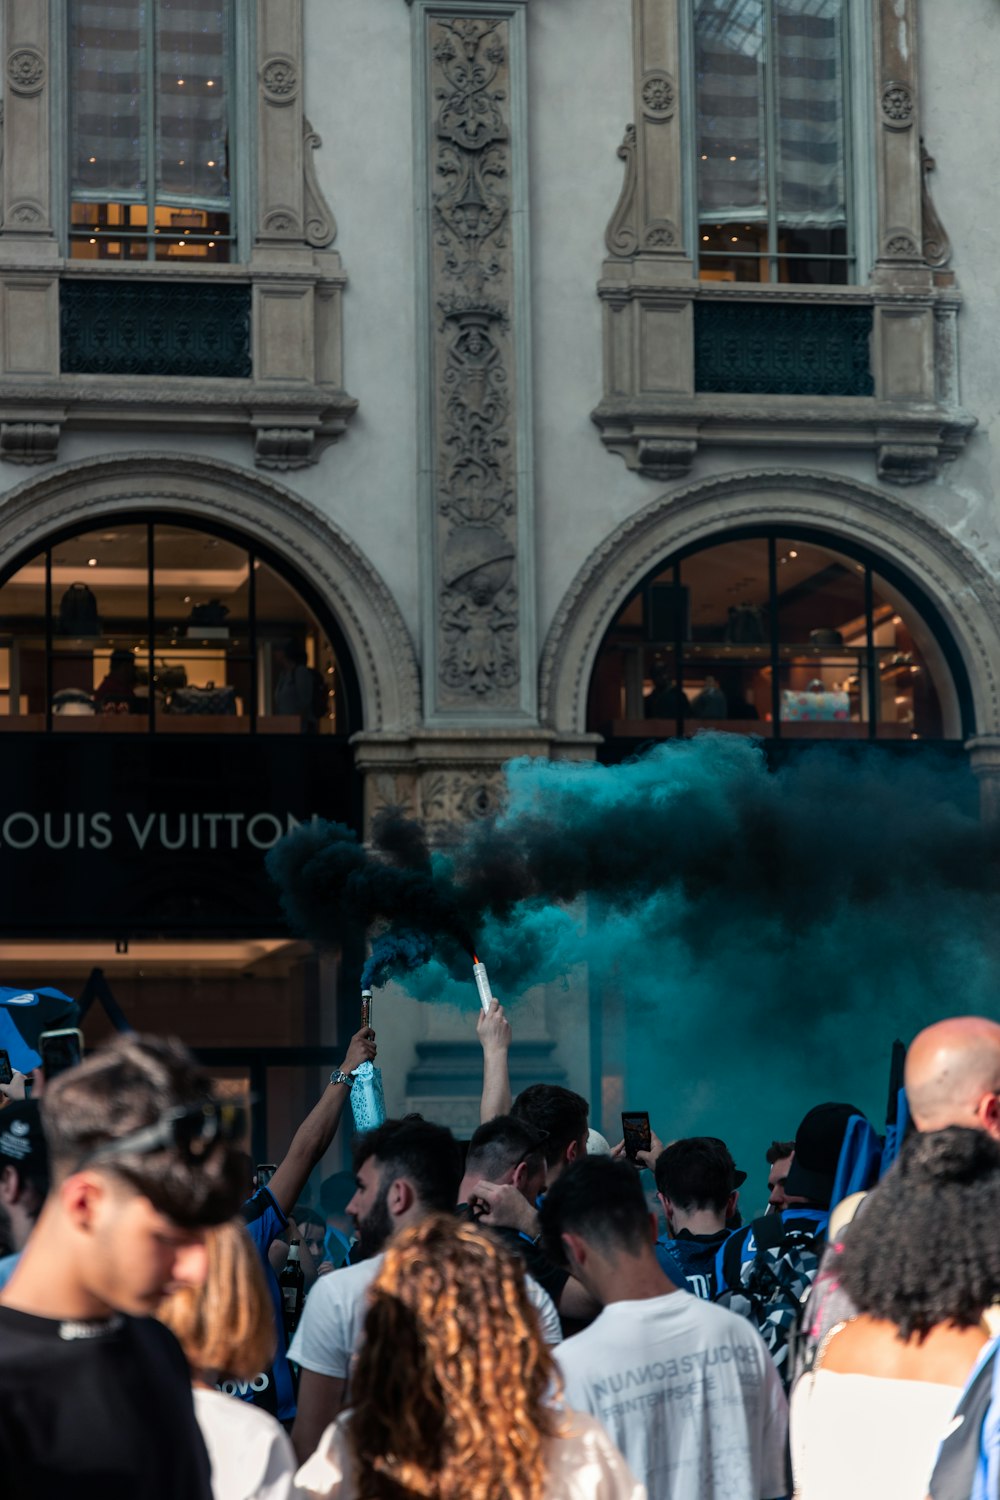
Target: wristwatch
x=345, y=1078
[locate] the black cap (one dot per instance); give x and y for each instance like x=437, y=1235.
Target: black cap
x=818, y=1142
x=739, y=1176
x=22, y=1140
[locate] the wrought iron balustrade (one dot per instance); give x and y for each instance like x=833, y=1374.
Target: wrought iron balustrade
x=783, y=348
x=155, y=328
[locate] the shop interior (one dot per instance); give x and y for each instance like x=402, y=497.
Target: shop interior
x=773, y=636
x=158, y=627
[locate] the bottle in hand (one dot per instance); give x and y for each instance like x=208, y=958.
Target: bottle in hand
x=292, y=1282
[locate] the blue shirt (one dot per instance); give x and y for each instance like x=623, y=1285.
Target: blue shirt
x=696, y=1255
x=273, y=1388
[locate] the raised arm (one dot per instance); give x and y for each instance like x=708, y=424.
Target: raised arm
x=493, y=1030
x=313, y=1137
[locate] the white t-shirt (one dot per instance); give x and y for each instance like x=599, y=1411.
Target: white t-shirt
x=334, y=1315
x=866, y=1436
x=252, y=1458
x=582, y=1463
x=688, y=1392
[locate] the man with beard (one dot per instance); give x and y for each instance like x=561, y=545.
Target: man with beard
x=404, y=1170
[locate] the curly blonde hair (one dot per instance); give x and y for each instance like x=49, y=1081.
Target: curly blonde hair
x=450, y=1398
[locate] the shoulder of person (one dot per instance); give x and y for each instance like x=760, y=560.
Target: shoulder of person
x=585, y=1464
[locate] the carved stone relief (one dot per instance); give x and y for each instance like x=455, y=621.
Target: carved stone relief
x=897, y=106
x=279, y=80
x=474, y=441
x=659, y=96
x=936, y=244
x=26, y=70
x=622, y=235
x=320, y=225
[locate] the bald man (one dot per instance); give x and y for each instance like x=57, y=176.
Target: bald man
x=952, y=1075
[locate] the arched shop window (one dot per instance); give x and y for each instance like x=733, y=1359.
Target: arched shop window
x=793, y=637
x=148, y=625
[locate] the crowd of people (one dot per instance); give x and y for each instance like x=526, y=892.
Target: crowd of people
x=518, y=1318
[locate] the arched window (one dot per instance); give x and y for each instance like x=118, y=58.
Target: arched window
x=790, y=636
x=148, y=624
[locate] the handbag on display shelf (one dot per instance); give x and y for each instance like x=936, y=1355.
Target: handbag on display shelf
x=816, y=705
x=203, y=700
x=78, y=611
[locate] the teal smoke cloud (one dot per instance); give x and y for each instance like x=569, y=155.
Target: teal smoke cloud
x=753, y=939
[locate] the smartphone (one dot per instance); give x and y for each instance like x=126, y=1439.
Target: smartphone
x=635, y=1129
x=60, y=1050
x=6, y=1071
x=265, y=1170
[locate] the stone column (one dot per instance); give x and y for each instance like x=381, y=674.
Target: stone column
x=27, y=198
x=474, y=375
x=984, y=757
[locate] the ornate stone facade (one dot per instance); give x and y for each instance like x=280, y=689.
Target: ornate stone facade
x=476, y=440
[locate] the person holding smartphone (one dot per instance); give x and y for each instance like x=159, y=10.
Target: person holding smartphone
x=24, y=1180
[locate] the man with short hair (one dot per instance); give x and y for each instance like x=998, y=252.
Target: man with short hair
x=95, y=1395
x=563, y=1116
x=404, y=1170
x=24, y=1179
x=779, y=1160
x=697, y=1183
x=685, y=1389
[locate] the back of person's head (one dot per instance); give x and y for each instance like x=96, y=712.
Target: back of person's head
x=818, y=1144
x=697, y=1173
x=602, y=1201
x=186, y=1167
x=501, y=1144
x=452, y=1364
x=560, y=1113
x=924, y=1249
x=427, y=1155
x=225, y=1326
x=952, y=1075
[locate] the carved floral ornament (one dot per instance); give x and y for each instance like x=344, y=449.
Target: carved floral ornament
x=26, y=70
x=659, y=95
x=897, y=106
x=475, y=463
x=279, y=80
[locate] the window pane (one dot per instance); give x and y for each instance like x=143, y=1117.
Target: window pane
x=810, y=96
x=191, y=128
x=100, y=640
x=727, y=653
x=107, y=72
x=298, y=679
x=822, y=642
x=731, y=134
x=203, y=660
x=913, y=677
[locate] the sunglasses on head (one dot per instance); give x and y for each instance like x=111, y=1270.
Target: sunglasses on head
x=192, y=1130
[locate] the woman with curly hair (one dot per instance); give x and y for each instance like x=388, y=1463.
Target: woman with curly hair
x=451, y=1394
x=921, y=1263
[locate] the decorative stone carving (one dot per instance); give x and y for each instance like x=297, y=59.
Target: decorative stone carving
x=26, y=70
x=279, y=80
x=282, y=221
x=660, y=236
x=284, y=447
x=320, y=225
x=475, y=437
x=901, y=245
x=906, y=463
x=659, y=458
x=25, y=214
x=659, y=96
x=897, y=106
x=622, y=235
x=450, y=799
x=936, y=244
x=29, y=442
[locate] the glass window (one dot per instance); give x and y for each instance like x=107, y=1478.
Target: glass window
x=149, y=130
x=789, y=638
x=151, y=626
x=772, y=141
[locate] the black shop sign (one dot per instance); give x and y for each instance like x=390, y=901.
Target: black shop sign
x=156, y=835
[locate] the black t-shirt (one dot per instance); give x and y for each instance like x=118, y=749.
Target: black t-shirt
x=97, y=1411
